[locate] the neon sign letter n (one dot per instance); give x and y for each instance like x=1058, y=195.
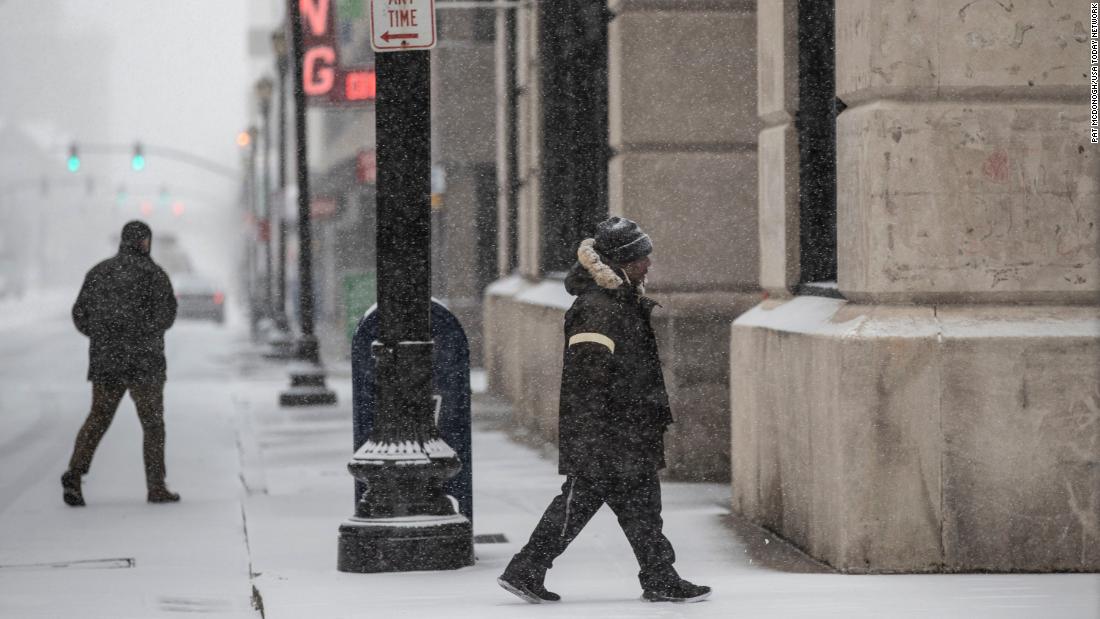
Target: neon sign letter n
x=316, y=13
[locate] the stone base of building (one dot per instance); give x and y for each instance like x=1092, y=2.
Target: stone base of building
x=920, y=438
x=523, y=355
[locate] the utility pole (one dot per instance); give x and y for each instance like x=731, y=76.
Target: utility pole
x=404, y=521
x=263, y=96
x=307, y=375
x=254, y=311
x=281, y=342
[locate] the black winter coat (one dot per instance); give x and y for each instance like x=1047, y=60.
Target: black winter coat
x=614, y=407
x=124, y=307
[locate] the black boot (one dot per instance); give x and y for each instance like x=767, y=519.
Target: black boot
x=70, y=483
x=526, y=582
x=163, y=495
x=678, y=590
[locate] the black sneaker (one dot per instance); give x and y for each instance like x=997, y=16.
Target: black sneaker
x=531, y=592
x=677, y=591
x=163, y=495
x=70, y=484
x=525, y=581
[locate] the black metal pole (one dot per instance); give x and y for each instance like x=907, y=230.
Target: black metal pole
x=307, y=378
x=280, y=340
x=280, y=281
x=309, y=349
x=265, y=197
x=404, y=521
x=254, y=311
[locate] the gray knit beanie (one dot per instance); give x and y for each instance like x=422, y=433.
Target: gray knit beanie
x=621, y=241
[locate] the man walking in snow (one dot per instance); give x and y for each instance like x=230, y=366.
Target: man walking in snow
x=612, y=419
x=124, y=307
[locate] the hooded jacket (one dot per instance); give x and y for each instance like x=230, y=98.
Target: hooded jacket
x=614, y=406
x=124, y=307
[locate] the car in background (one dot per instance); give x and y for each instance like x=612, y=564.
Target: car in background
x=169, y=254
x=12, y=282
x=198, y=298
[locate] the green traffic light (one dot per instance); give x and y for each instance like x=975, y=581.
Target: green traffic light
x=74, y=157
x=138, y=163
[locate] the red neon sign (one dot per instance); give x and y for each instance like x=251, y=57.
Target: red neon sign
x=325, y=82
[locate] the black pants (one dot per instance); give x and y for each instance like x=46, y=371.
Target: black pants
x=149, y=400
x=636, y=502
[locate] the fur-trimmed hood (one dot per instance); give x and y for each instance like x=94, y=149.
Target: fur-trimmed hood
x=590, y=270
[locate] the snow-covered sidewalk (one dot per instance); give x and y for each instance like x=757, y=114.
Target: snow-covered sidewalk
x=299, y=491
x=119, y=557
x=265, y=490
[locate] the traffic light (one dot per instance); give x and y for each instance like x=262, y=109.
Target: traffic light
x=74, y=158
x=137, y=162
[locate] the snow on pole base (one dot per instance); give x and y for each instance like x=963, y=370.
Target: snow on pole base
x=307, y=396
x=307, y=387
x=280, y=345
x=405, y=522
x=405, y=544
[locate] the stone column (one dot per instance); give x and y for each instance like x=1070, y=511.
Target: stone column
x=777, y=104
x=683, y=128
x=946, y=417
x=529, y=128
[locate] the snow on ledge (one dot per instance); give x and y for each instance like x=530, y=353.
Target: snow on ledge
x=506, y=287
x=547, y=293
x=807, y=314
x=823, y=316
x=1021, y=322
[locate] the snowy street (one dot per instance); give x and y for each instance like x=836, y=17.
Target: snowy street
x=264, y=490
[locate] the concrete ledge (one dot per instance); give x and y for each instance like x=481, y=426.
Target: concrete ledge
x=920, y=438
x=523, y=349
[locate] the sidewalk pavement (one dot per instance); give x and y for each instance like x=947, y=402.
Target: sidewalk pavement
x=265, y=490
x=119, y=557
x=298, y=490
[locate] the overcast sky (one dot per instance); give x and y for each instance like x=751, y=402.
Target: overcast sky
x=165, y=72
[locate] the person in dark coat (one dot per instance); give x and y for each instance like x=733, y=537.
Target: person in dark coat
x=124, y=307
x=613, y=414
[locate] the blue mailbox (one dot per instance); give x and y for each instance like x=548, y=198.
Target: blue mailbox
x=450, y=386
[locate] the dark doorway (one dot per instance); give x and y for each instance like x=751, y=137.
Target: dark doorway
x=816, y=127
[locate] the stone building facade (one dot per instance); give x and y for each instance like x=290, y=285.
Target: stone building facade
x=944, y=414
x=877, y=256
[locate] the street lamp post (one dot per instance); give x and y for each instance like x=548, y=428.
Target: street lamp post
x=264, y=89
x=281, y=341
x=404, y=521
x=254, y=310
x=307, y=375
